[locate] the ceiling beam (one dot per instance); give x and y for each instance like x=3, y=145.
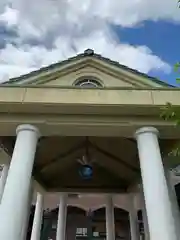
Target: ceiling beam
x=115, y=158
x=89, y=189
x=117, y=174
x=60, y=156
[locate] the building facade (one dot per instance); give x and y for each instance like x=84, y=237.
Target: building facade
x=84, y=142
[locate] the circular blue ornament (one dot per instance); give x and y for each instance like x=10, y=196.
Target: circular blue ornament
x=86, y=171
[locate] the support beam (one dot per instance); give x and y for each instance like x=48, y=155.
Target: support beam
x=115, y=158
x=159, y=211
x=85, y=124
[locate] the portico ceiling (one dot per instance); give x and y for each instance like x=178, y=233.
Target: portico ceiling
x=114, y=161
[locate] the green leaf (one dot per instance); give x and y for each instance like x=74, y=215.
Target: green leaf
x=169, y=113
x=176, y=151
x=176, y=66
x=178, y=122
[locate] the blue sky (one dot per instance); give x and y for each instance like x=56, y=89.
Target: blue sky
x=141, y=34
x=162, y=37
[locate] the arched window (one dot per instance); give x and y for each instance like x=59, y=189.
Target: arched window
x=88, y=82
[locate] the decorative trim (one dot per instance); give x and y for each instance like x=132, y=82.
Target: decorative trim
x=84, y=80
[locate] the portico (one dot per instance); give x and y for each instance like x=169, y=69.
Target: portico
x=47, y=127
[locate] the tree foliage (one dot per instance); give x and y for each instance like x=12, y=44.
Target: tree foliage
x=169, y=112
x=172, y=113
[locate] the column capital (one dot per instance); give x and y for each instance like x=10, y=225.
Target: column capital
x=146, y=130
x=27, y=127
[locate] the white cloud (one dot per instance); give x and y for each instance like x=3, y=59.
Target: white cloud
x=70, y=26
x=9, y=16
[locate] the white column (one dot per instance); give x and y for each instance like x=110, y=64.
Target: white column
x=17, y=186
x=110, y=221
x=158, y=206
x=27, y=213
x=173, y=199
x=133, y=219
x=61, y=223
x=37, y=222
x=144, y=215
x=3, y=178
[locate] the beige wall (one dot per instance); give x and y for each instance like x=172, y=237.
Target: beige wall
x=107, y=79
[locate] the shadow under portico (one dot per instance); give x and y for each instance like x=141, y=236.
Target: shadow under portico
x=114, y=162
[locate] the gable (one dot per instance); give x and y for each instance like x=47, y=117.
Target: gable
x=106, y=78
x=110, y=73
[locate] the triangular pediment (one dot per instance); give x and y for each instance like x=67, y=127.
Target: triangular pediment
x=88, y=65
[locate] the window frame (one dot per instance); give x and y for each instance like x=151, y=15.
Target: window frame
x=85, y=80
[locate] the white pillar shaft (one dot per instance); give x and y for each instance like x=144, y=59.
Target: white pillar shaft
x=37, y=223
x=133, y=226
x=61, y=223
x=3, y=178
x=110, y=222
x=133, y=219
x=158, y=206
x=17, y=186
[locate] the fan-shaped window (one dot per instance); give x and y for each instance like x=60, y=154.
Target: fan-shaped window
x=88, y=82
